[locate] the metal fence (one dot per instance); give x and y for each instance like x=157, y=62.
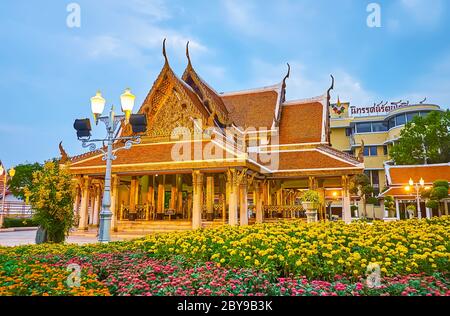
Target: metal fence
x=16, y=209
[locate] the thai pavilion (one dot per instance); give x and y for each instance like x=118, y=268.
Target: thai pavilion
x=212, y=158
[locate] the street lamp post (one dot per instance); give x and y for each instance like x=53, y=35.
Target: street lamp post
x=3, y=172
x=417, y=186
x=112, y=122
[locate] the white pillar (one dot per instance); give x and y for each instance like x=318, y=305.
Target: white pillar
x=258, y=195
x=243, y=203
x=232, y=205
x=210, y=198
x=96, y=207
x=114, y=201
x=83, y=223
x=197, y=186
x=428, y=212
x=397, y=209
x=346, y=208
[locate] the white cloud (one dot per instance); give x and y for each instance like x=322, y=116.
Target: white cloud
x=305, y=82
x=137, y=37
x=153, y=9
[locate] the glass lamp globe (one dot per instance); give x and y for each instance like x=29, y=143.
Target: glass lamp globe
x=12, y=172
x=97, y=104
x=127, y=102
x=411, y=182
x=422, y=182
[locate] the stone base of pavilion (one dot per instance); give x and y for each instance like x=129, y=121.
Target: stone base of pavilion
x=135, y=229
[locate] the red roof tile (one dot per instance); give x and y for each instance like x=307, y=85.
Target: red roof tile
x=400, y=175
x=301, y=123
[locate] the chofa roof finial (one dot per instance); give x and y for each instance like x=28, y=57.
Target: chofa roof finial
x=287, y=75
x=332, y=85
x=187, y=53
x=164, y=51
x=64, y=156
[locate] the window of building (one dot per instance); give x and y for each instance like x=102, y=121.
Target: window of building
x=385, y=150
x=379, y=126
x=391, y=123
x=400, y=119
x=363, y=127
x=375, y=178
x=370, y=151
x=410, y=116
x=348, y=131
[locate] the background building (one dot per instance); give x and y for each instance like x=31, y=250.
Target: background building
x=376, y=128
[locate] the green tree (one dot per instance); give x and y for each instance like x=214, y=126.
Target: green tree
x=389, y=205
x=51, y=196
x=360, y=185
x=23, y=178
x=436, y=194
x=424, y=140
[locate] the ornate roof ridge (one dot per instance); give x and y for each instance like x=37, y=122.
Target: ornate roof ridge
x=319, y=98
x=340, y=154
x=275, y=87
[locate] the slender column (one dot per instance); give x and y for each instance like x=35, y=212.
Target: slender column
x=179, y=204
x=173, y=197
x=259, y=200
x=346, y=209
x=151, y=201
x=91, y=204
x=114, y=201
x=190, y=203
x=243, y=201
x=133, y=189
x=160, y=209
x=96, y=208
x=76, y=203
x=197, y=184
x=428, y=212
x=83, y=223
x=397, y=209
x=232, y=204
x=210, y=198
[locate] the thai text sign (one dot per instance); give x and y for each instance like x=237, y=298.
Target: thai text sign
x=376, y=109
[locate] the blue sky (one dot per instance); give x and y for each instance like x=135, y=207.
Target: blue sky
x=49, y=71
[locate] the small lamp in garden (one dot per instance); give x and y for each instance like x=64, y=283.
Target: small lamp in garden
x=417, y=186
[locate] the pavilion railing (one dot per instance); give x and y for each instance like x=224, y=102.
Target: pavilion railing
x=284, y=211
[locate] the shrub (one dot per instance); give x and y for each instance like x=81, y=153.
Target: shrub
x=441, y=183
x=51, y=196
x=311, y=196
x=432, y=204
x=19, y=222
x=372, y=200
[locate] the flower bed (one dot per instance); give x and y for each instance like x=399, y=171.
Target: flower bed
x=320, y=250
x=289, y=258
x=136, y=273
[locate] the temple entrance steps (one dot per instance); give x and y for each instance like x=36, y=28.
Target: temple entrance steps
x=148, y=227
x=212, y=224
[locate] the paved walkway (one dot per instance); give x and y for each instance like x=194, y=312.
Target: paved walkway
x=27, y=237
